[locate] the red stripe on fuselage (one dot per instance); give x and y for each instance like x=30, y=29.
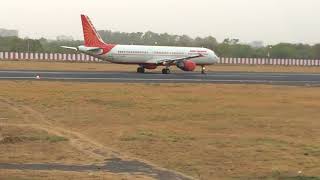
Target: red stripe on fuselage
x=107, y=48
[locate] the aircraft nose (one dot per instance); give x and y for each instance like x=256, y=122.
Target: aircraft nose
x=217, y=59
x=214, y=57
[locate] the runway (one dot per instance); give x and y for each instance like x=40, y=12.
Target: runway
x=179, y=77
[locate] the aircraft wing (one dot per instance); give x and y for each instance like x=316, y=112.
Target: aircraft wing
x=170, y=61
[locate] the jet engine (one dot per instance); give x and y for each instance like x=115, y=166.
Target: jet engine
x=186, y=65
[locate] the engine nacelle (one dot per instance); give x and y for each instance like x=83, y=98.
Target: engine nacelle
x=187, y=65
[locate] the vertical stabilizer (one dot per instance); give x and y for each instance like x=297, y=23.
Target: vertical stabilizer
x=91, y=36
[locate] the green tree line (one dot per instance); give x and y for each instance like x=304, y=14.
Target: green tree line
x=227, y=48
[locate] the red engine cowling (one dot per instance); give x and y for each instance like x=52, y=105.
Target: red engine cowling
x=187, y=65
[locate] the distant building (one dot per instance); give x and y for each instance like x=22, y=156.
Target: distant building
x=257, y=44
x=8, y=33
x=64, y=38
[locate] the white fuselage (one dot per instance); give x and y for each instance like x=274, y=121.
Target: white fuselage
x=134, y=54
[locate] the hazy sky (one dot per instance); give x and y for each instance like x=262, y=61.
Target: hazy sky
x=272, y=21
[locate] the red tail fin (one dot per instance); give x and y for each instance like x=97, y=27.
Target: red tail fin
x=91, y=36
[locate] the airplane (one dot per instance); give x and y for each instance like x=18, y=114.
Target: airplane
x=146, y=57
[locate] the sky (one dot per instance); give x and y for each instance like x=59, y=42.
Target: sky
x=271, y=21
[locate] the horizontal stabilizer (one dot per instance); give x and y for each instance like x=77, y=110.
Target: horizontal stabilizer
x=84, y=49
x=95, y=50
x=71, y=48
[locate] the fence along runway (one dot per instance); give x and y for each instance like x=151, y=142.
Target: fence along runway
x=86, y=58
x=300, y=79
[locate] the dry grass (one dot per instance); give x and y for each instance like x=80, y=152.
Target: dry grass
x=264, y=68
x=27, y=145
x=206, y=131
x=42, y=65
x=72, y=66
x=57, y=175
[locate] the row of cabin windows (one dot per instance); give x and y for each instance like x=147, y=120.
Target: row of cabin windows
x=169, y=53
x=132, y=52
x=156, y=52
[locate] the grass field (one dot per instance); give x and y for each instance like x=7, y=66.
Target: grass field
x=56, y=175
x=42, y=65
x=206, y=131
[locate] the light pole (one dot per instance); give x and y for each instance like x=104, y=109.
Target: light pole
x=269, y=55
x=28, y=45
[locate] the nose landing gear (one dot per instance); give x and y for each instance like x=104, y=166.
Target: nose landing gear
x=203, y=69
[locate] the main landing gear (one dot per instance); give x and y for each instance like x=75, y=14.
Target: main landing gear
x=203, y=69
x=166, y=70
x=140, y=69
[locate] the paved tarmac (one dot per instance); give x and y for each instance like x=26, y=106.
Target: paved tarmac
x=115, y=166
x=176, y=77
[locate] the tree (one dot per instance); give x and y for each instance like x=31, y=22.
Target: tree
x=228, y=48
x=282, y=51
x=316, y=51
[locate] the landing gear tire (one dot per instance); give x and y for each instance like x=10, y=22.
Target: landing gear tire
x=203, y=70
x=140, y=70
x=165, y=71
